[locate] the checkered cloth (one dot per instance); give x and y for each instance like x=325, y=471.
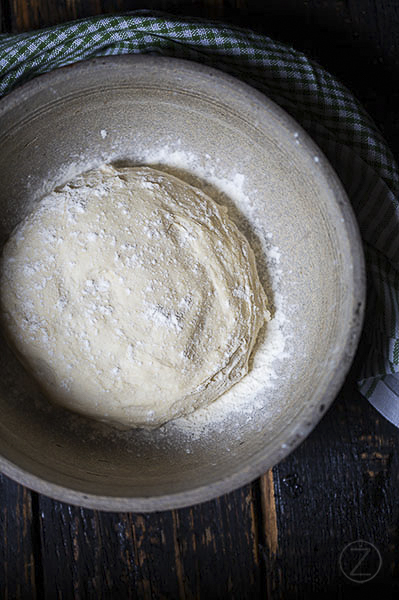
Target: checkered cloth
x=324, y=107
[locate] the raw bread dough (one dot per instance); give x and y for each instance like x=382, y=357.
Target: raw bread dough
x=131, y=296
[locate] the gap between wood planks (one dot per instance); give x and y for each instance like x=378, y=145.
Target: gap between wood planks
x=268, y=511
x=37, y=545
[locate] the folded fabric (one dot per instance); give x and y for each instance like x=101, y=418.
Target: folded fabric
x=320, y=103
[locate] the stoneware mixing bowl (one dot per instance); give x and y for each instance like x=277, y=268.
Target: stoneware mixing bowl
x=218, y=133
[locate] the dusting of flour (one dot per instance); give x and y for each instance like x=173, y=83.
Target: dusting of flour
x=247, y=396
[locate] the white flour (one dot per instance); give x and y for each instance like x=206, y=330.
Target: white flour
x=245, y=397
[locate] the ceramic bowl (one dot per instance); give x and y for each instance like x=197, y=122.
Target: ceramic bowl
x=218, y=133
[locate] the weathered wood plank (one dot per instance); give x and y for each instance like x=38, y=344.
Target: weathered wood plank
x=338, y=487
x=19, y=559
x=43, y=13
x=209, y=550
x=39, y=13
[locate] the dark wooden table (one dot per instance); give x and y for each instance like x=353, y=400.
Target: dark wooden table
x=282, y=535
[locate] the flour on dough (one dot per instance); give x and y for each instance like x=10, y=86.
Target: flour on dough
x=131, y=296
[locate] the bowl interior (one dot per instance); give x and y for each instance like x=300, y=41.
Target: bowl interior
x=215, y=132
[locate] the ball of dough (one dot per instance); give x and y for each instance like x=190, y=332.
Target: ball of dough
x=131, y=296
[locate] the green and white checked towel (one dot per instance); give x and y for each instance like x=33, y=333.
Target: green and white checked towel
x=325, y=108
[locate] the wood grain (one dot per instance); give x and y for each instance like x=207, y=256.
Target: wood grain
x=18, y=564
x=209, y=550
x=43, y=13
x=338, y=487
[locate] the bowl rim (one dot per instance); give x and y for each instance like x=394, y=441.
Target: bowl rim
x=306, y=420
